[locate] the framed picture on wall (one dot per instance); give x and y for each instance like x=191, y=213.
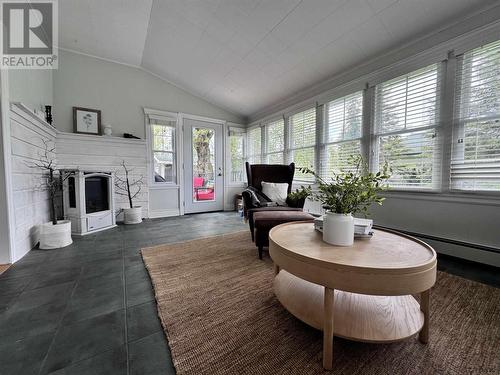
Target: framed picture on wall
x=86, y=121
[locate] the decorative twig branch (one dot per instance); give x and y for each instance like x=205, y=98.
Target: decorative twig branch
x=125, y=186
x=50, y=181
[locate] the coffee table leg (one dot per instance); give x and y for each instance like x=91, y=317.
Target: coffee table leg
x=328, y=329
x=424, y=306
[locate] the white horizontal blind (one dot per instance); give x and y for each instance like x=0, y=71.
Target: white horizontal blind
x=342, y=134
x=302, y=144
x=406, y=128
x=163, y=149
x=254, y=145
x=475, y=163
x=275, y=142
x=237, y=155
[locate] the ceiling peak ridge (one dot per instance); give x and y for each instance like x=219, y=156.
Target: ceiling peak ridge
x=242, y=116
x=147, y=32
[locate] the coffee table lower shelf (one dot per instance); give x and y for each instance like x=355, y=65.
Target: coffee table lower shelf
x=359, y=317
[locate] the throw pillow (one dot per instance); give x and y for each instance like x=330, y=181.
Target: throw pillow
x=277, y=192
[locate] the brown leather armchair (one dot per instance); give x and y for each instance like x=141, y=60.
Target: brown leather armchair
x=256, y=173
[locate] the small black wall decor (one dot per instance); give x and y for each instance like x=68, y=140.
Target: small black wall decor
x=48, y=114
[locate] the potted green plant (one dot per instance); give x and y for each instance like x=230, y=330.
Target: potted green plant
x=298, y=197
x=348, y=193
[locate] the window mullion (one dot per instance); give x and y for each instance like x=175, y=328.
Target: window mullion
x=317, y=147
x=368, y=133
x=286, y=135
x=445, y=131
x=457, y=148
x=263, y=143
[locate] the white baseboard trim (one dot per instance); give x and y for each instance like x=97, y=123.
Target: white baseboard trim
x=155, y=214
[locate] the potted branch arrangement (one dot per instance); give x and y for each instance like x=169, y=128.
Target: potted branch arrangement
x=130, y=188
x=56, y=233
x=348, y=193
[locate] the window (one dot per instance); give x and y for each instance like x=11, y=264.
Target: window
x=475, y=163
x=406, y=124
x=302, y=144
x=275, y=142
x=254, y=142
x=402, y=128
x=237, y=155
x=342, y=134
x=163, y=149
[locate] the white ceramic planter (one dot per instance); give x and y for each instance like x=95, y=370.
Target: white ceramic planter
x=132, y=215
x=338, y=229
x=55, y=236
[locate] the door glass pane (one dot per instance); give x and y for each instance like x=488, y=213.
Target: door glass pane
x=203, y=164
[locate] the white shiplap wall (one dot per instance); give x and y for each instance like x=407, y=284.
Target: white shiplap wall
x=99, y=153
x=86, y=152
x=31, y=204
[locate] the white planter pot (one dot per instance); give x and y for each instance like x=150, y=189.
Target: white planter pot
x=132, y=215
x=55, y=236
x=338, y=229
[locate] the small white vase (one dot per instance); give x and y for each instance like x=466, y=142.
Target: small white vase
x=55, y=236
x=338, y=229
x=107, y=130
x=132, y=215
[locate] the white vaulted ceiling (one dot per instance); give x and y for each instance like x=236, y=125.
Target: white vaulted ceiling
x=244, y=55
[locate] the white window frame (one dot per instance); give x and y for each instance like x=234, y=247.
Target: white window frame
x=289, y=150
x=262, y=140
x=151, y=114
x=241, y=130
x=324, y=131
x=459, y=124
x=265, y=130
x=437, y=127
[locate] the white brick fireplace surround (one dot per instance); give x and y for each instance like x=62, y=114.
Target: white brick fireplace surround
x=88, y=152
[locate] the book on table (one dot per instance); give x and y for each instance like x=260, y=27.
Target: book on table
x=362, y=227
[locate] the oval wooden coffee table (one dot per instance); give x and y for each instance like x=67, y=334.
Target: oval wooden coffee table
x=364, y=291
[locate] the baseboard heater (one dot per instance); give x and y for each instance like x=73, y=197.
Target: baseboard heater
x=444, y=240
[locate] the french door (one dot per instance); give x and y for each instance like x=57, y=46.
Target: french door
x=203, y=166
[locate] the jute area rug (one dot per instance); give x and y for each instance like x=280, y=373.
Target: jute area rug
x=4, y=267
x=220, y=315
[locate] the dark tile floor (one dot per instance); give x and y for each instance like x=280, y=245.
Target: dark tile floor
x=470, y=270
x=89, y=308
